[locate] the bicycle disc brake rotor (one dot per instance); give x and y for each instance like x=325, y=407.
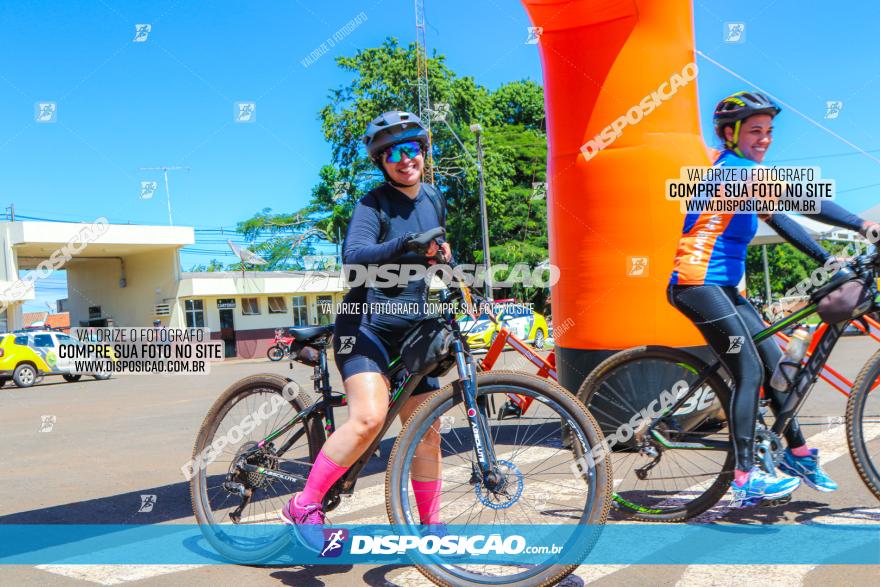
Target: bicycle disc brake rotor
x=506, y=494
x=768, y=448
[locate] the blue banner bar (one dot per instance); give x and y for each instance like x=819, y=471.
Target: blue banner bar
x=638, y=544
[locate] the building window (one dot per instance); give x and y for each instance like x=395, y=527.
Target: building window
x=300, y=311
x=195, y=314
x=94, y=312
x=277, y=305
x=325, y=310
x=250, y=306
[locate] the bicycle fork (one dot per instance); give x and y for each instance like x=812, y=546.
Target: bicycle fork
x=484, y=449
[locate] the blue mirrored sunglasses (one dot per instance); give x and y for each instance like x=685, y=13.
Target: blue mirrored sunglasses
x=395, y=154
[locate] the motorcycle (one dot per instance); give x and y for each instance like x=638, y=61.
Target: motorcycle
x=280, y=346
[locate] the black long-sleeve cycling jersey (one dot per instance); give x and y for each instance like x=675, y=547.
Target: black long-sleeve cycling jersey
x=362, y=247
x=831, y=213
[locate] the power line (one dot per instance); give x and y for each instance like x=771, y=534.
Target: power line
x=829, y=156
x=790, y=107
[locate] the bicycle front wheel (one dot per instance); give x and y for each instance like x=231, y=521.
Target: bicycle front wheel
x=863, y=424
x=543, y=486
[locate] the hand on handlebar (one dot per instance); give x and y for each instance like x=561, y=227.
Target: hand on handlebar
x=422, y=241
x=439, y=253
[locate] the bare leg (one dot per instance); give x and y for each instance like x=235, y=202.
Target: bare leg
x=367, y=398
x=426, y=465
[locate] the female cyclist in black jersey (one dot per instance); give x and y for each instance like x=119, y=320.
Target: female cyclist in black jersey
x=387, y=229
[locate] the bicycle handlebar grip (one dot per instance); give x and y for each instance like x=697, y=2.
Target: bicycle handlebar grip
x=420, y=242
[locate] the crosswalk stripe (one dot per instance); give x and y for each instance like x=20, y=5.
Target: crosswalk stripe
x=114, y=574
x=832, y=445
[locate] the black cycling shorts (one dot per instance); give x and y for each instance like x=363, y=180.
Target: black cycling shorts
x=370, y=344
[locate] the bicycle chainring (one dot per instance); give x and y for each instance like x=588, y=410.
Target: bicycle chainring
x=769, y=450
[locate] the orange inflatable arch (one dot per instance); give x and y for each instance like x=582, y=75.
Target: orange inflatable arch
x=622, y=118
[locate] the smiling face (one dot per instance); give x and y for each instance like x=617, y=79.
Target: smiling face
x=407, y=171
x=755, y=136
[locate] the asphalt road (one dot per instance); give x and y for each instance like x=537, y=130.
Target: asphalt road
x=113, y=441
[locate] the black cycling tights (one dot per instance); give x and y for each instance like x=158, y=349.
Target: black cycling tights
x=719, y=312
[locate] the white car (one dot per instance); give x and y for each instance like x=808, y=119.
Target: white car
x=46, y=344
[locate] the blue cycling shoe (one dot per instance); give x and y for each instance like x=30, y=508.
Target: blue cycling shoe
x=759, y=486
x=808, y=469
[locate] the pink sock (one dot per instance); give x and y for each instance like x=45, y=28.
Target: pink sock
x=428, y=500
x=740, y=477
x=801, y=451
x=324, y=474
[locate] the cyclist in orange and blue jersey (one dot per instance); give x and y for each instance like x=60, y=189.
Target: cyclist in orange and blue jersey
x=710, y=264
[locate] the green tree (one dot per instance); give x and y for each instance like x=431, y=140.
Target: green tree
x=787, y=267
x=382, y=79
x=213, y=265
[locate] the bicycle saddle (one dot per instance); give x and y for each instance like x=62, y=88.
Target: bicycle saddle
x=307, y=334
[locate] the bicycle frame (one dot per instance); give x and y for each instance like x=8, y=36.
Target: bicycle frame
x=800, y=386
x=835, y=379
x=465, y=388
x=546, y=367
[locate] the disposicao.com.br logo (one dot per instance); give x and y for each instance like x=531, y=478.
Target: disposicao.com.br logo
x=493, y=544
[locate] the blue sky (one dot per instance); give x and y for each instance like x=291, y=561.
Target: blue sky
x=170, y=100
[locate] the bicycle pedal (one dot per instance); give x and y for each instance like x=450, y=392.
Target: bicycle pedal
x=776, y=502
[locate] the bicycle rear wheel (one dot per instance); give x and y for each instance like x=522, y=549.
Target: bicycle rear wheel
x=863, y=424
x=245, y=414
x=653, y=482
x=543, y=485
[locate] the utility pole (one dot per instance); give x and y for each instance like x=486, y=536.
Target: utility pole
x=478, y=130
x=165, y=171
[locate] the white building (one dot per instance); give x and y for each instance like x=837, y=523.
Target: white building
x=129, y=275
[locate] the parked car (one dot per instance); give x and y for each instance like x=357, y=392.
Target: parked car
x=29, y=355
x=520, y=320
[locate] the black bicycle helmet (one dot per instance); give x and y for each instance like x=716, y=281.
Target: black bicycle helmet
x=391, y=128
x=735, y=108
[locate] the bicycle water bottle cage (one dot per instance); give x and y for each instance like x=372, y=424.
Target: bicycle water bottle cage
x=789, y=381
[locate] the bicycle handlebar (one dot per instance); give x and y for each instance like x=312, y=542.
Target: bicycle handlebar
x=420, y=242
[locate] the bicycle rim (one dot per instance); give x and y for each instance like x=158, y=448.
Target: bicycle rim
x=241, y=422
x=863, y=424
x=652, y=481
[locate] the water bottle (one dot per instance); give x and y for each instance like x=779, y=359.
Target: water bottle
x=790, y=362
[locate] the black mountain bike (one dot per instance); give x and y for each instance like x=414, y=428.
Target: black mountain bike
x=674, y=464
x=494, y=471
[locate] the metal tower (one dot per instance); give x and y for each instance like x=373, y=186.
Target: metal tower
x=422, y=83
